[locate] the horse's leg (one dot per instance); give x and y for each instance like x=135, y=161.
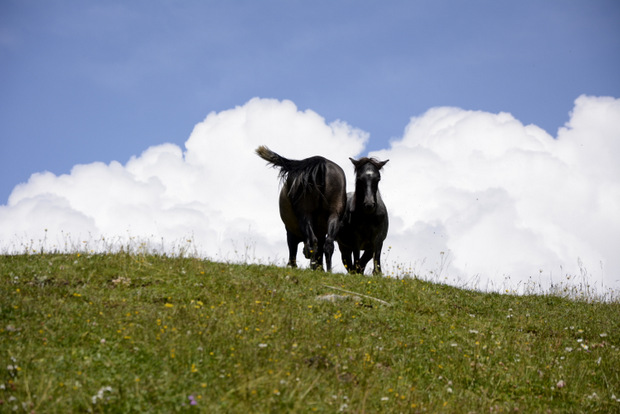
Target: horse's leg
x=292, y=242
x=318, y=257
x=311, y=243
x=346, y=253
x=356, y=261
x=366, y=257
x=377, y=259
x=333, y=223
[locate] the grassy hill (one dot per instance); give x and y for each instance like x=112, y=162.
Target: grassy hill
x=123, y=333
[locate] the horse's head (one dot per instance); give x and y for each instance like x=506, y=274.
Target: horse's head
x=367, y=177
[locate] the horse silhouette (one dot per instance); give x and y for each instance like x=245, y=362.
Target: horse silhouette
x=365, y=222
x=312, y=202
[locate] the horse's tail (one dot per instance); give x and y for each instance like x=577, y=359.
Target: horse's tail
x=277, y=160
x=303, y=174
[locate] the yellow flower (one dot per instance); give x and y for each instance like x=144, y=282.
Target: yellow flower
x=169, y=305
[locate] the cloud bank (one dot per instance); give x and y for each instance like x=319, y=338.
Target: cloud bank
x=475, y=199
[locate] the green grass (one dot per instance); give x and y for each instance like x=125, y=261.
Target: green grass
x=140, y=333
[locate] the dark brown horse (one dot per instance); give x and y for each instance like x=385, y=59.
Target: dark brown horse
x=312, y=202
x=365, y=222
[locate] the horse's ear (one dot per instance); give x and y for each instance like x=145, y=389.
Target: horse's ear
x=382, y=163
x=354, y=161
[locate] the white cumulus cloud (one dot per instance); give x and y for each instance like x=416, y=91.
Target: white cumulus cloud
x=474, y=198
x=216, y=193
x=507, y=204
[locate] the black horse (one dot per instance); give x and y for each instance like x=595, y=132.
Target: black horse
x=365, y=222
x=312, y=202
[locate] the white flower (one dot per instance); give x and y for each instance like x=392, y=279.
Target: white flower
x=262, y=345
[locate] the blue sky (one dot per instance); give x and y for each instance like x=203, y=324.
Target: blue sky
x=86, y=81
x=134, y=123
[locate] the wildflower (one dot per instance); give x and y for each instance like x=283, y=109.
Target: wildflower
x=385, y=398
x=169, y=305
x=603, y=335
x=560, y=384
x=568, y=349
x=100, y=396
x=262, y=345
x=192, y=400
